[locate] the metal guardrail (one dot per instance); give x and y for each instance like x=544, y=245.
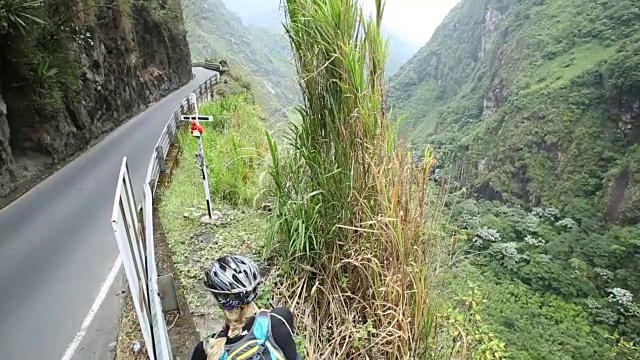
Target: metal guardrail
x=131, y=233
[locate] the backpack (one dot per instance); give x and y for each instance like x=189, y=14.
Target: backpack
x=258, y=344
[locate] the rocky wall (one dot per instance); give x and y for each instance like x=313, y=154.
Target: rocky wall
x=84, y=70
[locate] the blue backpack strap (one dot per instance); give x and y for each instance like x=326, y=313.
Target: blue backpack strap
x=262, y=331
x=262, y=325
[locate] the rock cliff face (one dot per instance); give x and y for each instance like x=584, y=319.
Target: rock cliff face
x=6, y=159
x=78, y=72
x=536, y=101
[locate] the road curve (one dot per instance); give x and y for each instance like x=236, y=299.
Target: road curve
x=57, y=247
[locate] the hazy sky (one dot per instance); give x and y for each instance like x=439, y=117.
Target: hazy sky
x=414, y=21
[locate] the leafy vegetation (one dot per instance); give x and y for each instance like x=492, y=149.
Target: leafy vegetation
x=16, y=14
x=533, y=106
x=31, y=44
x=551, y=288
x=349, y=206
x=235, y=150
x=528, y=98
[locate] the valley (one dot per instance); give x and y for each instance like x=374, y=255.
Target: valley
x=532, y=107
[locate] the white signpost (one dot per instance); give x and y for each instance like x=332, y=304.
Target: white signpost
x=129, y=237
x=198, y=118
x=200, y=157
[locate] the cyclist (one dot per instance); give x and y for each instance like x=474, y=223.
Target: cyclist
x=248, y=333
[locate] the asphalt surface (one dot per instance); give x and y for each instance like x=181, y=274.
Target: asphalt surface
x=57, y=246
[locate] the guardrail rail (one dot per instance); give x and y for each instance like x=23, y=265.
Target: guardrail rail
x=141, y=268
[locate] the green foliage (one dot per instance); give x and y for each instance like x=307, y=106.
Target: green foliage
x=463, y=322
x=537, y=326
x=530, y=99
x=349, y=206
x=535, y=102
x=40, y=64
x=235, y=150
x=553, y=289
x=16, y=14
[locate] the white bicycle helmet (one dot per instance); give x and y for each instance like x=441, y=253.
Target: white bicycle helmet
x=233, y=281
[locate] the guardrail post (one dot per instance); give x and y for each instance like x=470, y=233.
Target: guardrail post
x=171, y=131
x=160, y=158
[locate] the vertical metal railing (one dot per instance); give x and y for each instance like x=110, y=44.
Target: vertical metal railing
x=149, y=308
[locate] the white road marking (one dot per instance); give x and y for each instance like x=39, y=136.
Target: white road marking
x=71, y=350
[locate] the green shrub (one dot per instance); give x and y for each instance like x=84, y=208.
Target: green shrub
x=235, y=150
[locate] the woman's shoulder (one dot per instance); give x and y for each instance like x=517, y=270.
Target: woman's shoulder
x=282, y=312
x=283, y=331
x=199, y=352
x=282, y=317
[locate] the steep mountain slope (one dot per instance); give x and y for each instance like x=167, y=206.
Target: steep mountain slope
x=537, y=104
x=539, y=100
x=71, y=70
x=399, y=52
x=258, y=54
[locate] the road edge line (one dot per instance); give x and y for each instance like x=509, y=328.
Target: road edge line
x=97, y=303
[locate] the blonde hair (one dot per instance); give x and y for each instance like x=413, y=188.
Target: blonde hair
x=236, y=319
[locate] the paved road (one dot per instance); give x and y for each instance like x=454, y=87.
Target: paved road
x=57, y=247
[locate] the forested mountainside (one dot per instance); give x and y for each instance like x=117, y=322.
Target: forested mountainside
x=534, y=106
x=539, y=100
x=260, y=55
x=72, y=70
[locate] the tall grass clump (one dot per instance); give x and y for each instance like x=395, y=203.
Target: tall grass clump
x=349, y=203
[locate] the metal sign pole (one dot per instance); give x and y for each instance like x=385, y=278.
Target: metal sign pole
x=200, y=157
